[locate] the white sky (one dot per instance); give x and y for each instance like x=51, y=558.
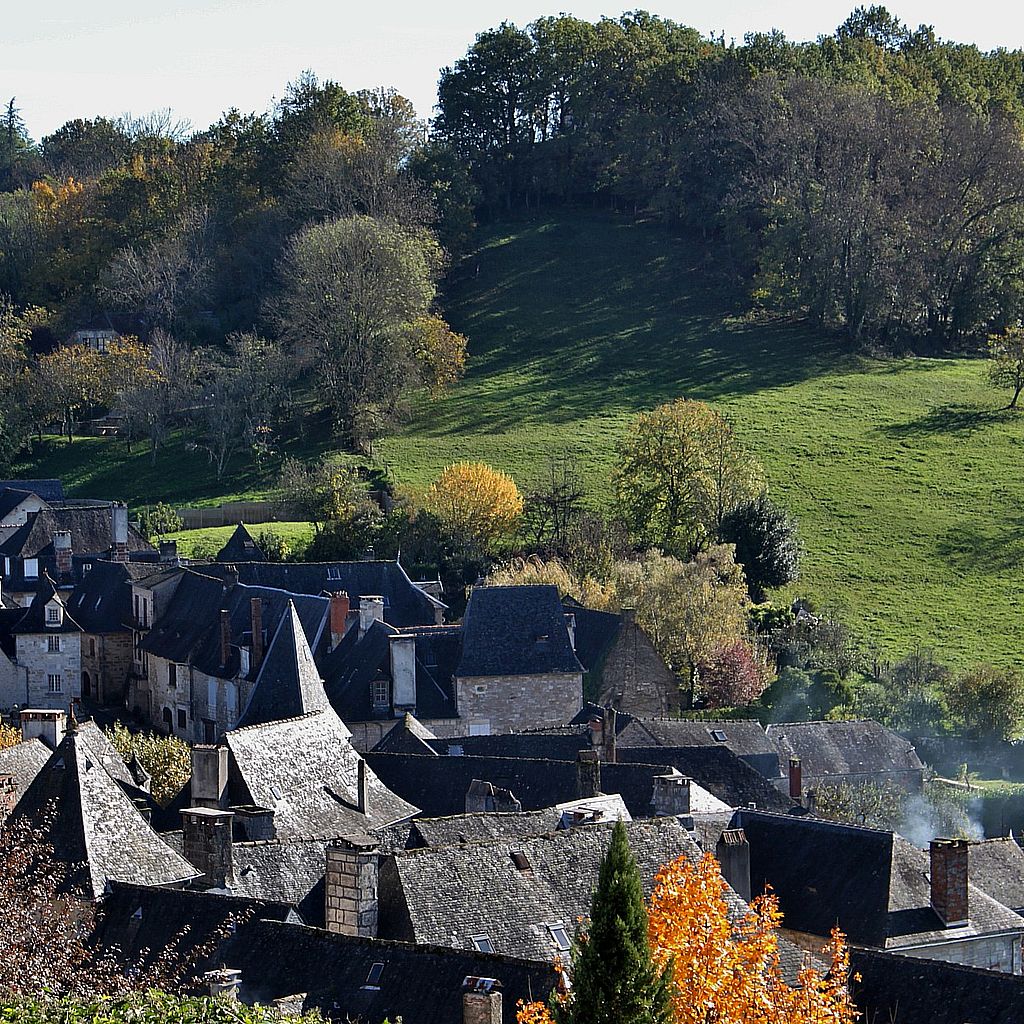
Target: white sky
x=83, y=58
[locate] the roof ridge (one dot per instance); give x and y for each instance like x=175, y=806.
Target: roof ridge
x=276, y=721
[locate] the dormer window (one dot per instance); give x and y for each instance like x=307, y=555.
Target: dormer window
x=380, y=693
x=31, y=568
x=53, y=614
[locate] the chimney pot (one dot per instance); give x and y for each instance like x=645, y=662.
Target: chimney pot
x=371, y=610
x=949, y=878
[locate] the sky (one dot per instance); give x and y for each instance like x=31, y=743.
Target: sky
x=67, y=59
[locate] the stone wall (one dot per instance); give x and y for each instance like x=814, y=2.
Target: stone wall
x=107, y=658
x=350, y=889
x=13, y=684
x=34, y=655
x=498, y=704
x=634, y=678
x=217, y=701
x=366, y=735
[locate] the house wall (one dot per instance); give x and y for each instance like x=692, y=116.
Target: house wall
x=366, y=735
x=162, y=695
x=18, y=516
x=634, y=678
x=217, y=701
x=107, y=658
x=500, y=704
x=39, y=662
x=12, y=684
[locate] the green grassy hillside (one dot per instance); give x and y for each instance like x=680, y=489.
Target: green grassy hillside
x=905, y=474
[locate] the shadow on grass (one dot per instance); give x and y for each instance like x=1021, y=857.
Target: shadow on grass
x=951, y=419
x=977, y=549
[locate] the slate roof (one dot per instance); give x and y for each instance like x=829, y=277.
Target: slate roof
x=34, y=619
x=102, y=601
x=844, y=748
x=409, y=736
x=190, y=615
x=747, y=739
x=918, y=990
x=24, y=761
x=416, y=983
x=515, y=631
x=358, y=660
x=48, y=490
x=241, y=547
x=997, y=867
x=96, y=829
x=596, y=633
x=288, y=683
x=873, y=884
x=305, y=770
x=438, y=785
x=404, y=603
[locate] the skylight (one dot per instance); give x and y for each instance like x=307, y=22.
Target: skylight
x=373, y=978
x=482, y=943
x=560, y=936
x=718, y=735
x=520, y=860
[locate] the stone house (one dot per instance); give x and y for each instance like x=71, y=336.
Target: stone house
x=883, y=892
x=15, y=506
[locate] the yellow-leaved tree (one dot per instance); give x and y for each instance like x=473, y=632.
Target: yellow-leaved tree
x=726, y=971
x=478, y=507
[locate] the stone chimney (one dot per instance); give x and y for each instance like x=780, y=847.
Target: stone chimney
x=8, y=796
x=588, y=774
x=403, y=673
x=254, y=823
x=481, y=1001
x=256, y=608
x=796, y=783
x=671, y=795
x=602, y=734
x=62, y=551
x=230, y=576
x=223, y=982
x=570, y=625
x=339, y=616
x=733, y=855
x=371, y=610
x=119, y=532
x=44, y=724
x=206, y=843
x=350, y=886
x=209, y=776
x=143, y=807
x=949, y=874
x=169, y=552
x=225, y=636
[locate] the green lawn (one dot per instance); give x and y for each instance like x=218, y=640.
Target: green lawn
x=209, y=540
x=905, y=475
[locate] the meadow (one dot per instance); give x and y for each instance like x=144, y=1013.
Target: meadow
x=904, y=474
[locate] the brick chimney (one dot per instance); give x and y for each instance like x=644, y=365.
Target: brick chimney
x=671, y=794
x=206, y=843
x=403, y=673
x=371, y=610
x=62, y=551
x=256, y=608
x=481, y=1001
x=588, y=774
x=350, y=886
x=949, y=873
x=225, y=636
x=796, y=780
x=119, y=532
x=339, y=616
x=209, y=776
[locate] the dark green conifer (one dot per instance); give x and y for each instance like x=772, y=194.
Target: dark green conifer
x=613, y=978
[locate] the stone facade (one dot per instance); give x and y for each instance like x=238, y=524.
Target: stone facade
x=350, y=887
x=633, y=676
x=106, y=666
x=13, y=684
x=497, y=704
x=366, y=735
x=40, y=663
x=216, y=706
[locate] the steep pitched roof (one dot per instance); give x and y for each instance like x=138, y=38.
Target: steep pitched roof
x=918, y=990
x=191, y=615
x=288, y=683
x=509, y=631
x=241, y=547
x=102, y=601
x=11, y=498
x=997, y=867
x=90, y=526
x=844, y=748
x=24, y=761
x=48, y=490
x=306, y=771
x=872, y=883
x=408, y=736
x=96, y=827
x=405, y=604
x=34, y=619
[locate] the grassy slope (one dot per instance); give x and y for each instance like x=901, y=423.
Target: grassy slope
x=904, y=474
x=210, y=539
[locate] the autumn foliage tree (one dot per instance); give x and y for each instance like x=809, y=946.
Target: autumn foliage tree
x=722, y=969
x=733, y=676
x=477, y=506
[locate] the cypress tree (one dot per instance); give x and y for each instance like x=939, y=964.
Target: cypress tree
x=613, y=978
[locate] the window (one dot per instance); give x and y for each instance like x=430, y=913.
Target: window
x=52, y=614
x=333, y=572
x=53, y=643
x=482, y=943
x=717, y=735
x=135, y=602
x=559, y=936
x=31, y=568
x=379, y=693
x=182, y=718
x=168, y=720
x=92, y=647
x=373, y=978
x=172, y=674
x=521, y=861
x=55, y=683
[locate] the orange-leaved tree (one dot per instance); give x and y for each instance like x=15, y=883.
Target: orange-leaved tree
x=729, y=971
x=477, y=506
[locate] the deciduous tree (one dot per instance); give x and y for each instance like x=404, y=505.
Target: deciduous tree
x=478, y=506
x=1006, y=369
x=767, y=544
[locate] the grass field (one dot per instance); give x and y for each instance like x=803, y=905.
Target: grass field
x=209, y=540
x=905, y=474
